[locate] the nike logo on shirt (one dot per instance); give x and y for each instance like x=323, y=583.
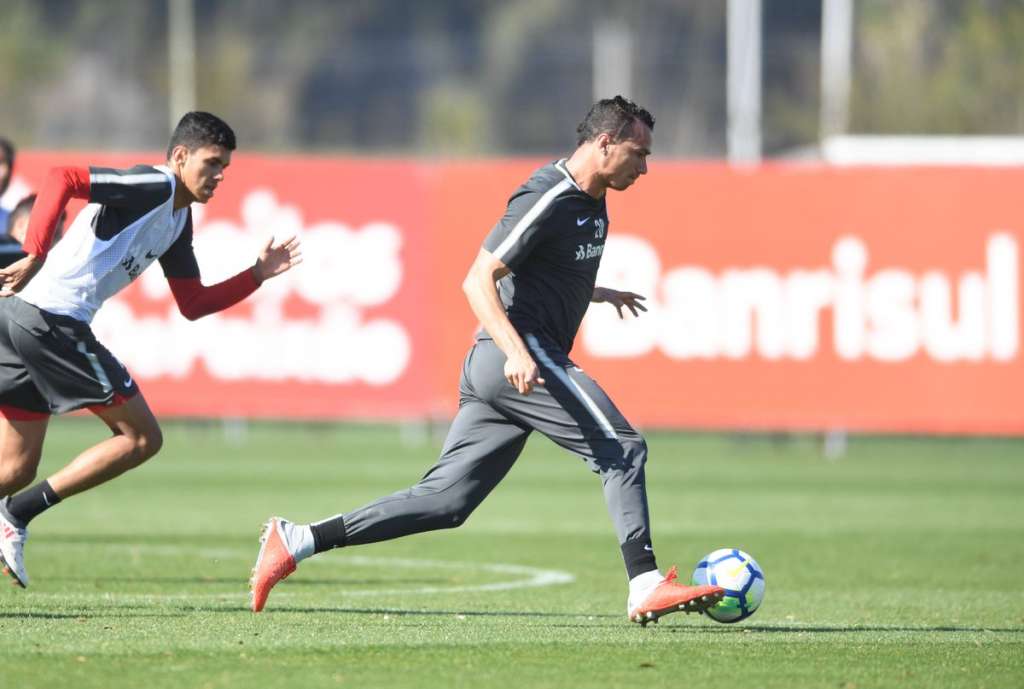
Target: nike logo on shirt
x=582, y=221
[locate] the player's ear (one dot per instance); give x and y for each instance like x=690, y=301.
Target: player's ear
x=179, y=154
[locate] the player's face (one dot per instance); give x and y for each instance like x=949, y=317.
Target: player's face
x=626, y=159
x=203, y=169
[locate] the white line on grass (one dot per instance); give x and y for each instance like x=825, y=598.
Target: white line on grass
x=531, y=577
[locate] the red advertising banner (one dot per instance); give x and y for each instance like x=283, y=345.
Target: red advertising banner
x=819, y=298
x=345, y=335
x=781, y=297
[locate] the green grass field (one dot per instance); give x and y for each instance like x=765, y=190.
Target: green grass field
x=900, y=565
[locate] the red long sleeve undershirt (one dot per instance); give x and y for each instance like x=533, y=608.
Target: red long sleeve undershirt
x=194, y=299
x=62, y=184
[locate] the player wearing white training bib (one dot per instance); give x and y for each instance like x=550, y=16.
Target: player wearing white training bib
x=50, y=361
x=130, y=222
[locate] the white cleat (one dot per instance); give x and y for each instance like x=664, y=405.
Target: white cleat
x=12, y=548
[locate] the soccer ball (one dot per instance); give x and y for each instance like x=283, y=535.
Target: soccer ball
x=740, y=576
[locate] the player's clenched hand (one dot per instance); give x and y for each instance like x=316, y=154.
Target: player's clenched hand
x=14, y=277
x=522, y=373
x=277, y=259
x=619, y=299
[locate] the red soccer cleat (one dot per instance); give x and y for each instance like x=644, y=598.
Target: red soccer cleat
x=274, y=563
x=668, y=596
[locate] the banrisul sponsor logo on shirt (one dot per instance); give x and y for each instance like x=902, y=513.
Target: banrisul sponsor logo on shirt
x=586, y=252
x=589, y=250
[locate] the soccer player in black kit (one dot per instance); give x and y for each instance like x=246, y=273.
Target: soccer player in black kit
x=530, y=286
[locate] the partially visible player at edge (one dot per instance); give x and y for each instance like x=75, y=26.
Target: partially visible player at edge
x=530, y=287
x=50, y=361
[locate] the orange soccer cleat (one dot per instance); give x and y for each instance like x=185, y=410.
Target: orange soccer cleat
x=274, y=563
x=668, y=596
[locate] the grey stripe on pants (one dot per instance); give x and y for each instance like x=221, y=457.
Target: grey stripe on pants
x=488, y=434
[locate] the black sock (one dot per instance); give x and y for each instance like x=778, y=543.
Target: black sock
x=31, y=502
x=328, y=534
x=639, y=557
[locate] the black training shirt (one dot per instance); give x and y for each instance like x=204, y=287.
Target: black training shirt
x=551, y=237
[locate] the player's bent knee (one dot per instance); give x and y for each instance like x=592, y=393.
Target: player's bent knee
x=151, y=443
x=453, y=514
x=449, y=520
x=146, y=444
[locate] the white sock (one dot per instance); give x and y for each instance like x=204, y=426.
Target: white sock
x=299, y=538
x=642, y=583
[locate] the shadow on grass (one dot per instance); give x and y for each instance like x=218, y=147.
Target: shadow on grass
x=208, y=540
x=854, y=628
x=600, y=621
x=114, y=613
x=237, y=581
x=399, y=612
x=792, y=629
x=41, y=616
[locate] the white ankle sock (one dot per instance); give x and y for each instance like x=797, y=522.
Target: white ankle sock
x=299, y=538
x=643, y=582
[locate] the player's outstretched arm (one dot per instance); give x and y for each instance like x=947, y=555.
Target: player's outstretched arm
x=276, y=259
x=618, y=299
x=196, y=300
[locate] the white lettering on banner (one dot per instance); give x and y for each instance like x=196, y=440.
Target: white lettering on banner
x=344, y=271
x=890, y=315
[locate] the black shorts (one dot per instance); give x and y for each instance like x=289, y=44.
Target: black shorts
x=52, y=364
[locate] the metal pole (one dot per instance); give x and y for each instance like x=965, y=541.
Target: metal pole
x=744, y=81
x=612, y=59
x=181, y=58
x=836, y=66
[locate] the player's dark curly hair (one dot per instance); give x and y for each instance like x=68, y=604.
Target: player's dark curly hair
x=611, y=115
x=198, y=129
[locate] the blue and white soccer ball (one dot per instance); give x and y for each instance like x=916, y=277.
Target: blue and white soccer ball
x=740, y=576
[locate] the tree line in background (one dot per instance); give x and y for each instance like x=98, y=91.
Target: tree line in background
x=491, y=77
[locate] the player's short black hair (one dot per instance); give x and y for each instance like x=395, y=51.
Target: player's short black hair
x=198, y=129
x=611, y=115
